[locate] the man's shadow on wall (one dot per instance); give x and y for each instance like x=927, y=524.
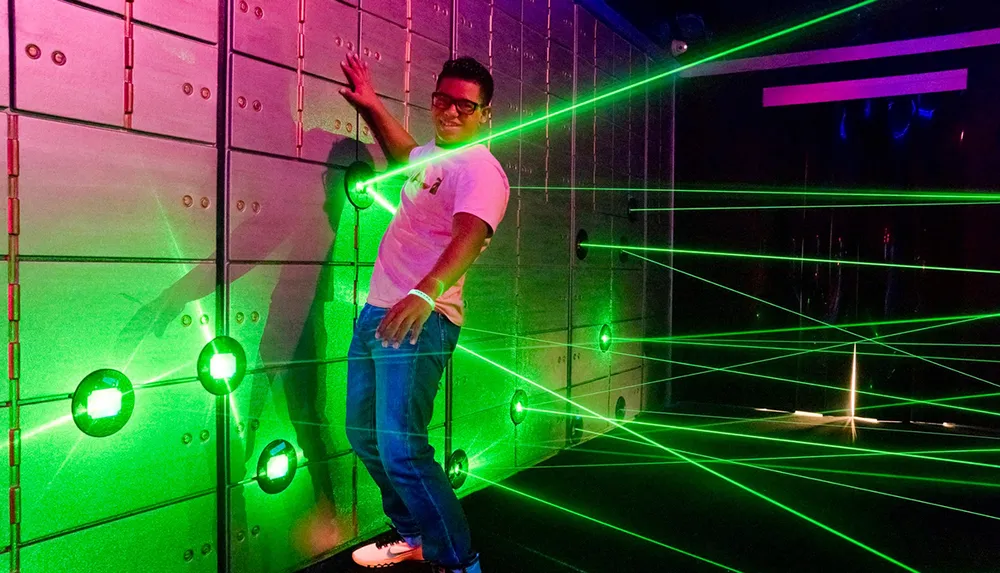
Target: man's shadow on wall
x=295, y=348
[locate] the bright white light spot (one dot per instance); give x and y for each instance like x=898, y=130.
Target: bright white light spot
x=808, y=414
x=222, y=366
x=277, y=467
x=105, y=403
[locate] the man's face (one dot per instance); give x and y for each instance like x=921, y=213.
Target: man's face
x=450, y=123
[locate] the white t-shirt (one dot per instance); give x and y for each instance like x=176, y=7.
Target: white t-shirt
x=470, y=181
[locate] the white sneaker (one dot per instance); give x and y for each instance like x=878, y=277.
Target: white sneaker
x=387, y=549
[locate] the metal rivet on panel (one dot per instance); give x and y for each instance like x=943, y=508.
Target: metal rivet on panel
x=254, y=424
x=240, y=536
x=259, y=12
x=186, y=438
x=364, y=130
x=241, y=205
x=257, y=105
x=350, y=128
x=244, y=6
x=34, y=52
x=206, y=93
x=338, y=41
x=188, y=200
x=350, y=45
x=241, y=101
x=368, y=52
x=186, y=320
x=206, y=549
x=378, y=56
x=239, y=318
x=205, y=202
x=188, y=89
x=241, y=427
x=336, y=124
x=189, y=555
x=58, y=57
x=204, y=319
x=255, y=531
x=205, y=435
x=255, y=206
x=254, y=316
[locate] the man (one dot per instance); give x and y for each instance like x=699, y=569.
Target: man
x=407, y=331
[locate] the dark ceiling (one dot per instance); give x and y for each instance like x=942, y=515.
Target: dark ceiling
x=730, y=22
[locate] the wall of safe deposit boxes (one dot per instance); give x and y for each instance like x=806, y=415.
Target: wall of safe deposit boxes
x=121, y=206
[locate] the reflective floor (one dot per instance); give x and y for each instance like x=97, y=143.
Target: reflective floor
x=781, y=493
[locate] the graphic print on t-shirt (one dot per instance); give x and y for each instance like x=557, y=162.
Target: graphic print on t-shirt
x=421, y=177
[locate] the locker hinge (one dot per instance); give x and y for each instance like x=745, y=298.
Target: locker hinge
x=300, y=86
x=14, y=447
x=129, y=88
x=14, y=338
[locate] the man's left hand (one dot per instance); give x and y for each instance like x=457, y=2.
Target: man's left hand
x=408, y=315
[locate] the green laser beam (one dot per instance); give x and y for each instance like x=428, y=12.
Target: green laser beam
x=791, y=417
x=977, y=196
x=791, y=207
x=824, y=326
x=807, y=317
x=780, y=341
x=854, y=487
x=793, y=259
x=705, y=369
x=905, y=477
x=752, y=491
x=517, y=128
x=668, y=460
x=743, y=346
x=779, y=440
x=600, y=522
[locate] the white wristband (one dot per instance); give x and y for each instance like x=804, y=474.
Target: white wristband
x=424, y=296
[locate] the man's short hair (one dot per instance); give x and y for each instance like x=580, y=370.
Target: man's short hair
x=466, y=68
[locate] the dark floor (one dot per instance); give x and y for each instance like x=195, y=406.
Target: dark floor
x=645, y=490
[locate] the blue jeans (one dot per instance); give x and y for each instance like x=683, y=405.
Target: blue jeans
x=390, y=398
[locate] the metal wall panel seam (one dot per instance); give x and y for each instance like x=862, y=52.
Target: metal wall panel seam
x=14, y=342
x=223, y=139
x=572, y=235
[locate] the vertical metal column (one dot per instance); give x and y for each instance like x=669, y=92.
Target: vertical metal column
x=668, y=389
x=223, y=447
x=572, y=231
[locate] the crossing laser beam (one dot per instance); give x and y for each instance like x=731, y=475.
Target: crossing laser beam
x=752, y=256
x=568, y=109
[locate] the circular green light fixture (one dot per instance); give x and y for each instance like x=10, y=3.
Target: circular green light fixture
x=358, y=193
x=222, y=365
x=518, y=407
x=276, y=466
x=620, y=409
x=458, y=468
x=581, y=237
x=604, y=341
x=103, y=403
